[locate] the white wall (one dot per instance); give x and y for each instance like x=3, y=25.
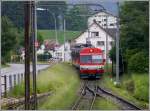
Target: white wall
x=102, y=37
x=100, y=17
x=60, y=53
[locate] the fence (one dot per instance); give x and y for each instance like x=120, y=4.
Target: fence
x=10, y=80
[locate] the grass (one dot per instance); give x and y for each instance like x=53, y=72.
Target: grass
x=50, y=34
x=4, y=65
x=65, y=81
x=133, y=87
x=42, y=62
x=103, y=104
x=141, y=86
x=62, y=79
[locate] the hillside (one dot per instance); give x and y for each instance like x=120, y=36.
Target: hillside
x=50, y=34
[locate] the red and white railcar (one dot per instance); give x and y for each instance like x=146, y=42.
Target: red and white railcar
x=89, y=60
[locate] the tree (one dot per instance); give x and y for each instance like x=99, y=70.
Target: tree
x=75, y=20
x=9, y=38
x=138, y=62
x=46, y=19
x=14, y=10
x=134, y=32
x=40, y=38
x=134, y=26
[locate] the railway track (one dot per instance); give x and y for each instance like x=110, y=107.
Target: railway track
x=87, y=97
x=124, y=104
x=90, y=90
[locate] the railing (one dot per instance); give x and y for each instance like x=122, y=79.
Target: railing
x=10, y=80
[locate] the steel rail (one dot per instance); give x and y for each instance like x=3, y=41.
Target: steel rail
x=121, y=100
x=94, y=95
x=76, y=105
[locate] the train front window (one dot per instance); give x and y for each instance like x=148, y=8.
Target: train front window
x=86, y=59
x=97, y=59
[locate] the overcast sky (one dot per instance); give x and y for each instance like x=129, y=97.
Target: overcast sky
x=110, y=5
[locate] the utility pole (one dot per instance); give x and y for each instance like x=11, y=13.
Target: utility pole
x=27, y=7
x=64, y=36
x=106, y=44
x=33, y=31
x=35, y=25
x=55, y=28
x=117, y=48
x=0, y=62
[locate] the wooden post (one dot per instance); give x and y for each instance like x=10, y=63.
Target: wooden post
x=27, y=54
x=5, y=86
x=14, y=79
x=34, y=54
x=10, y=82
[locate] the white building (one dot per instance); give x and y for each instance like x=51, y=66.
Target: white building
x=103, y=19
x=97, y=36
x=64, y=55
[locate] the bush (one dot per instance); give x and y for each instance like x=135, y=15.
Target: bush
x=138, y=62
x=129, y=85
x=44, y=57
x=141, y=83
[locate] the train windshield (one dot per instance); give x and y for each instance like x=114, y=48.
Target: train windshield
x=86, y=59
x=91, y=59
x=97, y=59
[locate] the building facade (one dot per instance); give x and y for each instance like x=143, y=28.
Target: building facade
x=63, y=52
x=101, y=32
x=97, y=36
x=104, y=19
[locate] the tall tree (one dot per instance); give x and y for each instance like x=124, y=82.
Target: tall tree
x=9, y=38
x=15, y=11
x=76, y=18
x=46, y=18
x=134, y=32
x=134, y=25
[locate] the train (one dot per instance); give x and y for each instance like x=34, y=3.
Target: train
x=89, y=60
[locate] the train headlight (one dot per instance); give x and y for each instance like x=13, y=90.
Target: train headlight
x=81, y=68
x=99, y=67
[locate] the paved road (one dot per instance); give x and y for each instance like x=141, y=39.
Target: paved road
x=19, y=68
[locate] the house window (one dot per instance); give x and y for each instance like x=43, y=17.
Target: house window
x=104, y=19
x=100, y=43
x=111, y=24
x=59, y=54
x=104, y=24
x=99, y=21
x=95, y=34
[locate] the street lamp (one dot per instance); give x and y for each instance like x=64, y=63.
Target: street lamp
x=54, y=17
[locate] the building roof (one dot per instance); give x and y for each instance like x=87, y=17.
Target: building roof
x=110, y=31
x=106, y=13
